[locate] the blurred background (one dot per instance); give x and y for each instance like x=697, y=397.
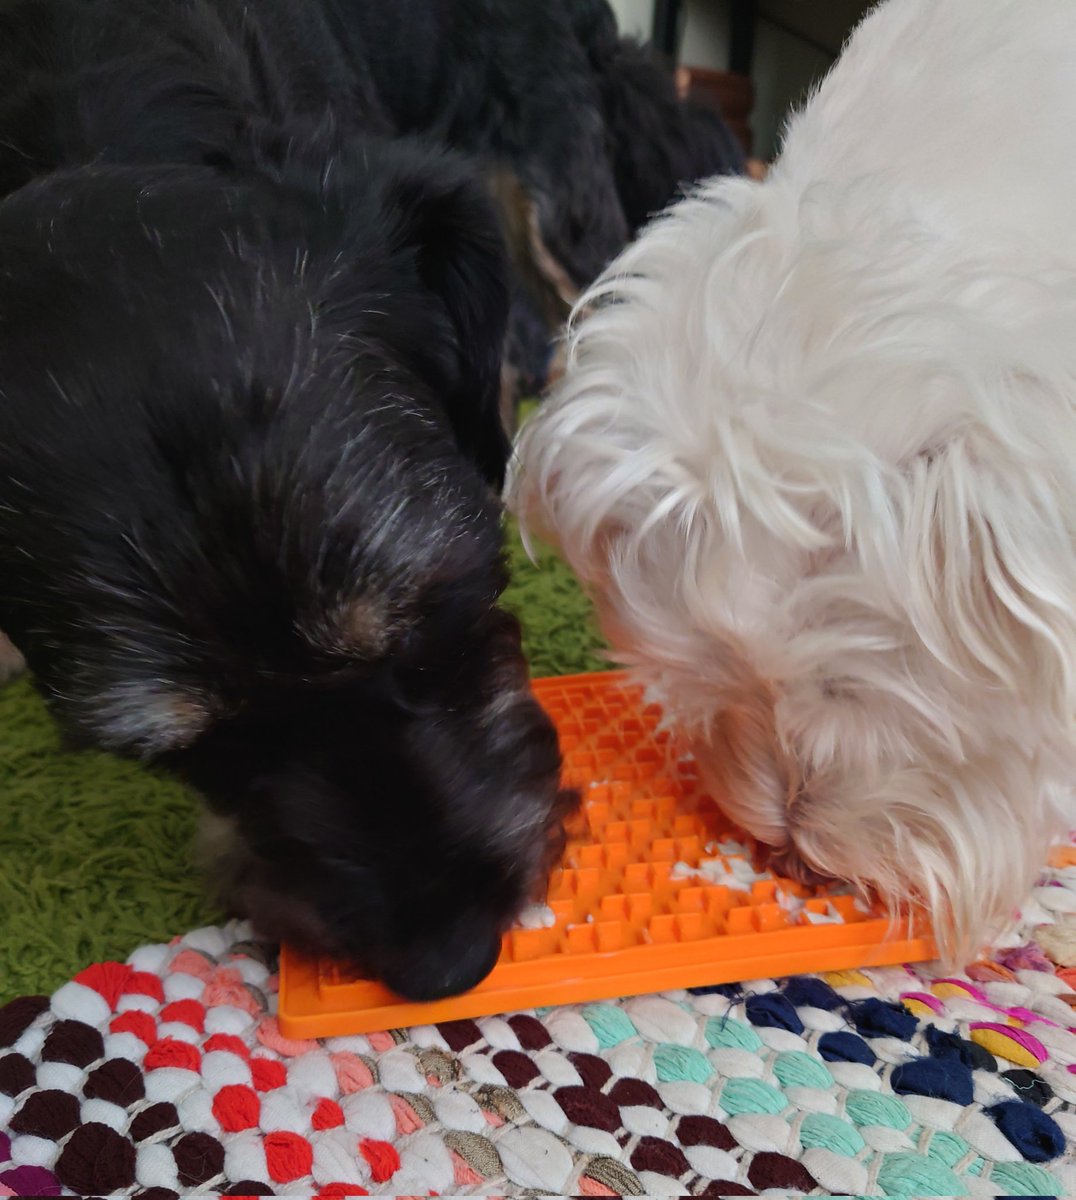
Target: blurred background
x=755, y=58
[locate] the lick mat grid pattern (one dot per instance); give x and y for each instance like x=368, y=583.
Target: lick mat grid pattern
x=656, y=889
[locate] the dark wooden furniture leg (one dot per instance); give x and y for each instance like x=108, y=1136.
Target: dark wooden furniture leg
x=665, y=30
x=743, y=20
x=743, y=17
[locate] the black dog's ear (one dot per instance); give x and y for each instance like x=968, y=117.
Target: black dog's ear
x=444, y=215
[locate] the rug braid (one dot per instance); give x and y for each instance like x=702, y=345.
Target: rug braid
x=168, y=1074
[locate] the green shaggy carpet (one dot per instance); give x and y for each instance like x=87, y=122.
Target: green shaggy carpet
x=95, y=853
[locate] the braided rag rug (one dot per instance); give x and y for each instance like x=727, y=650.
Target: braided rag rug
x=168, y=1074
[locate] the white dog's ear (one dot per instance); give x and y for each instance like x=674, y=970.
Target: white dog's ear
x=963, y=846
x=990, y=573
x=986, y=573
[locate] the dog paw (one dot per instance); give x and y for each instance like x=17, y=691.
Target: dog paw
x=788, y=863
x=12, y=663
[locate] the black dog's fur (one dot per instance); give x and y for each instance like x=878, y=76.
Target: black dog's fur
x=660, y=144
x=249, y=449
x=655, y=146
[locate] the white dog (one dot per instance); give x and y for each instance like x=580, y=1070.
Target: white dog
x=815, y=457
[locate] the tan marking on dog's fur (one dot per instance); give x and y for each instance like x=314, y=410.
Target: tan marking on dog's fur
x=361, y=627
x=364, y=625
x=12, y=663
x=559, y=362
x=218, y=843
x=236, y=877
x=509, y=404
x=535, y=265
x=189, y=717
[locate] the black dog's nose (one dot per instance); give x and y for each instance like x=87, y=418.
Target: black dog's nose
x=452, y=966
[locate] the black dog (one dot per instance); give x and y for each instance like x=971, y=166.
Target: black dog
x=654, y=146
x=249, y=452
x=657, y=144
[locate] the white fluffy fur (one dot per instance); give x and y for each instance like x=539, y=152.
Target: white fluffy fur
x=815, y=457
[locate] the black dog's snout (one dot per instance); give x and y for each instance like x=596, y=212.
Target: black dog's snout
x=455, y=965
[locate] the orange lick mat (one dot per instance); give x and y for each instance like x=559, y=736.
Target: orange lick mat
x=656, y=890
